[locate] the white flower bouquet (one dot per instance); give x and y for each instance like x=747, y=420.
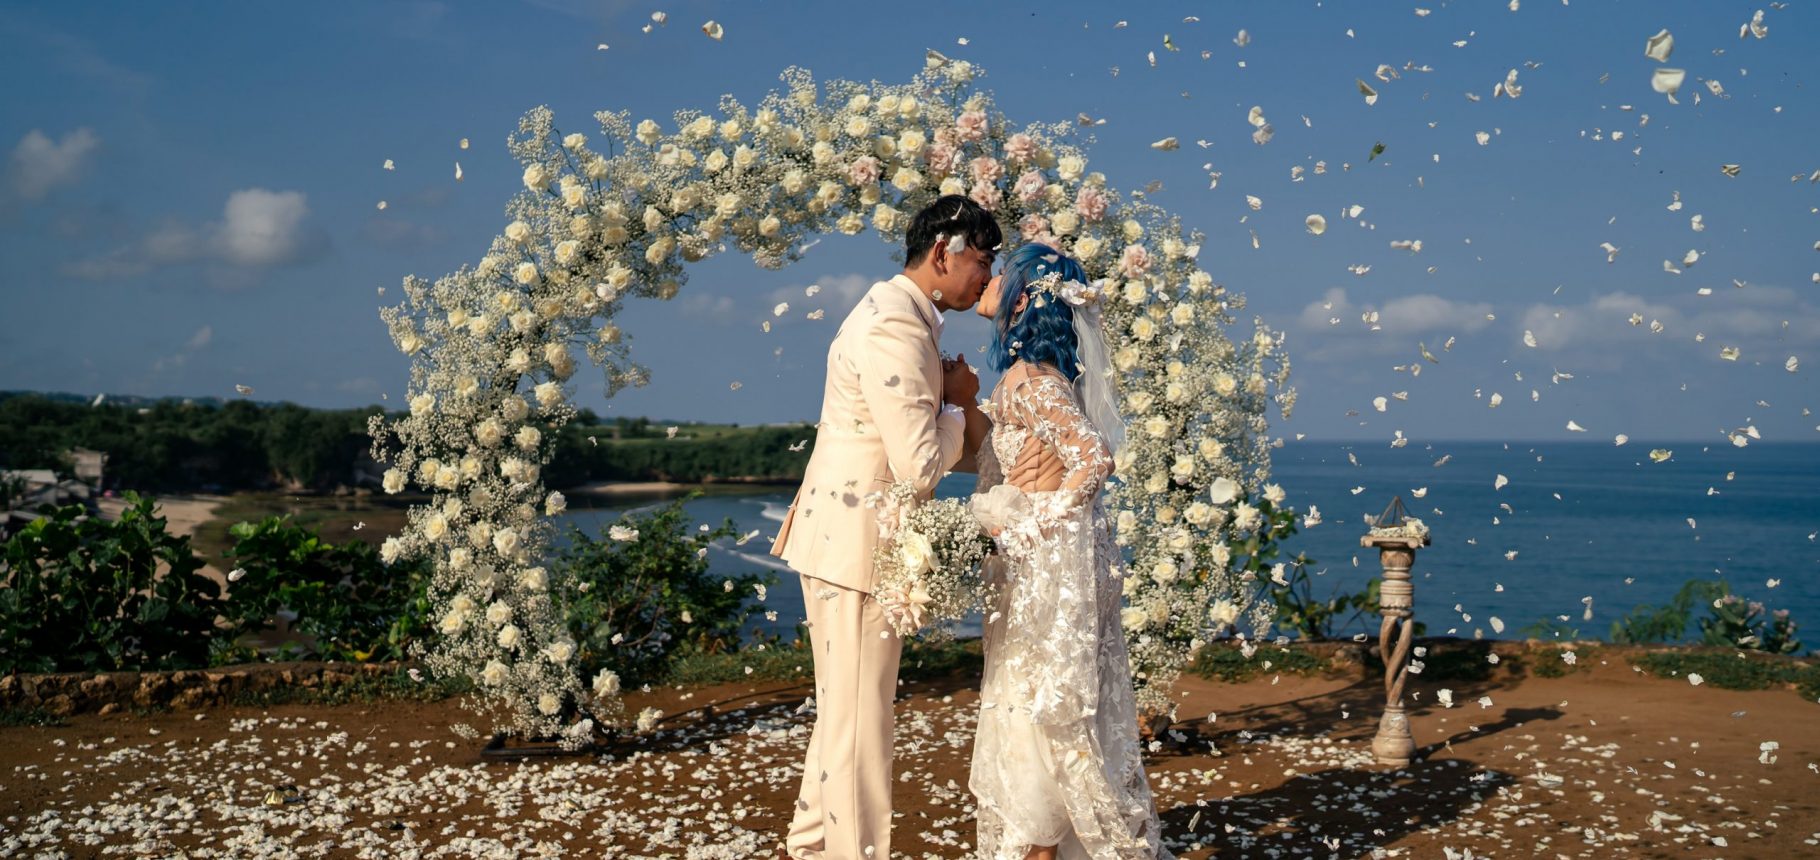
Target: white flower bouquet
x=928, y=559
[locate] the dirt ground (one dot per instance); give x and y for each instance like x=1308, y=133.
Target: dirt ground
x=1605, y=762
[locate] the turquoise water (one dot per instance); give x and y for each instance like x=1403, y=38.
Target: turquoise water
x=1584, y=519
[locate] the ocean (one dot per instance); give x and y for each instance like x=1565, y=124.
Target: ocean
x=1579, y=529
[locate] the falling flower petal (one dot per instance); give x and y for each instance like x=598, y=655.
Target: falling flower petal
x=1500, y=482
x=1659, y=46
x=713, y=30
x=1316, y=224
x=1167, y=144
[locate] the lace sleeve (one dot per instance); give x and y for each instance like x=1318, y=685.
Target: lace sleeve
x=1046, y=405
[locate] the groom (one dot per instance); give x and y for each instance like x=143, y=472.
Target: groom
x=892, y=410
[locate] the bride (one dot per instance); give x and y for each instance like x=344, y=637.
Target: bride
x=1057, y=771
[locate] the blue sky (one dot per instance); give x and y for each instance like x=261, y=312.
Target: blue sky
x=189, y=199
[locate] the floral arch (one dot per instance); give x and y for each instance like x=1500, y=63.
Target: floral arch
x=492, y=346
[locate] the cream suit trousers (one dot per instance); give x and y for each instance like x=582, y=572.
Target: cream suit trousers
x=843, y=811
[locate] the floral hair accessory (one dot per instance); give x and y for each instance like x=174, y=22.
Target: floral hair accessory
x=1073, y=292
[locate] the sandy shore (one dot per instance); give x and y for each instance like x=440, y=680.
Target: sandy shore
x=1602, y=763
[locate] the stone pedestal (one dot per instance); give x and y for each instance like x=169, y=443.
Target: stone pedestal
x=1394, y=745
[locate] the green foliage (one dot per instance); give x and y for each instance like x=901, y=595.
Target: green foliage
x=84, y=594
x=1734, y=670
x=1731, y=621
x=1650, y=624
x=349, y=604
x=1228, y=663
x=1550, y=661
x=698, y=453
x=654, y=594
x=1739, y=623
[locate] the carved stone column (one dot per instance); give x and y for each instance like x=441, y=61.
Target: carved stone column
x=1396, y=538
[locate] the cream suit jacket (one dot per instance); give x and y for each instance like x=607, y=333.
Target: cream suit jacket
x=882, y=420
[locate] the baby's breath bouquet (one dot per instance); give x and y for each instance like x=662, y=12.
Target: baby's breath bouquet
x=928, y=559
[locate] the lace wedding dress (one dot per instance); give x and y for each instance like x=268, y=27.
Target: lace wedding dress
x=1057, y=757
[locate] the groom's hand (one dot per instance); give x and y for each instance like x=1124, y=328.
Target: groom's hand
x=960, y=385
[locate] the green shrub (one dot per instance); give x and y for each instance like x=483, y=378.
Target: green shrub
x=1739, y=623
x=634, y=605
x=1227, y=662
x=349, y=604
x=86, y=594
x=1734, y=670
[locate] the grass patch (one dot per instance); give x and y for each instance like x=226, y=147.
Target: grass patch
x=16, y=718
x=363, y=689
x=1229, y=664
x=1550, y=661
x=1461, y=661
x=333, y=518
x=1734, y=670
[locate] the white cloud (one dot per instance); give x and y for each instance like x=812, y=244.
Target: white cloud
x=716, y=308
x=40, y=164
x=259, y=229
x=837, y=296
x=1754, y=315
x=1335, y=327
x=201, y=338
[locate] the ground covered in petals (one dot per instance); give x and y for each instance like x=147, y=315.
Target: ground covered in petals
x=1602, y=762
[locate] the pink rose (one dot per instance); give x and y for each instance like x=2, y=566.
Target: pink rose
x=987, y=196
x=948, y=136
x=1044, y=238
x=1091, y=202
x=1032, y=224
x=864, y=170
x=941, y=157
x=1019, y=148
x=971, y=125
x=1029, y=187
x=1135, y=261
x=986, y=170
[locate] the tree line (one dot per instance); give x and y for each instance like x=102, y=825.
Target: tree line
x=173, y=445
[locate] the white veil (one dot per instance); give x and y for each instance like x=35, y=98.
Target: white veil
x=1095, y=386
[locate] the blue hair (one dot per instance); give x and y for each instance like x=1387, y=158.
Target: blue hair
x=1044, y=330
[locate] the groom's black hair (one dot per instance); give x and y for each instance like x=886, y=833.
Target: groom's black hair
x=950, y=215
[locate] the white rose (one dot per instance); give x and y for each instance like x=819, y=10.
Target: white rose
x=699, y=129
x=394, y=481
x=953, y=185
x=447, y=478
x=1140, y=402
x=794, y=181
x=1182, y=314
x=1156, y=483
x=390, y=550
x=1133, y=618
x=536, y=177
x=916, y=552
x=911, y=141
x=422, y=404
x=1222, y=555
x=850, y=224
x=575, y=195
x=1244, y=517
x=505, y=541
x=1127, y=521
x=561, y=650
x=1126, y=358
x=1065, y=222
x=1175, y=392
x=436, y=527
x=1165, y=572
x=525, y=273
x=1157, y=426
x=567, y=250
x=555, y=504
x=1224, y=385
x=1070, y=167
x=548, y=394
x=460, y=558
x=730, y=129
x=499, y=613
x=1198, y=513
x=1143, y=329
x=744, y=157
x=649, y=132
x=1087, y=247
x=1274, y=494
x=494, y=674
x=906, y=179
x=1224, y=490
x=489, y=433
x=1212, y=450
x=859, y=126
x=1223, y=612
x=885, y=218
x=822, y=152
x=1182, y=469
x=509, y=636
x=549, y=704
x=514, y=408
x=1199, y=282
x=606, y=683
x=1132, y=230
x=597, y=168
x=519, y=232
x=528, y=438
x=1255, y=384
x=715, y=162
